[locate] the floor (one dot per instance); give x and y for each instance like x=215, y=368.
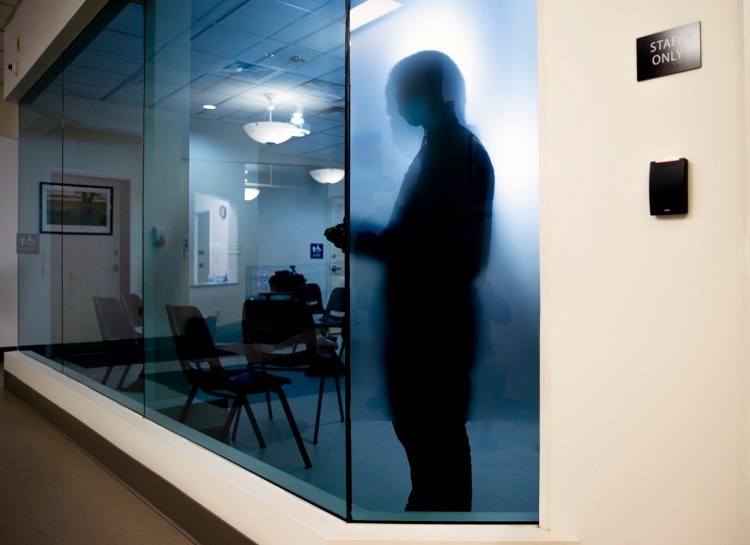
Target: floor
x=51, y=492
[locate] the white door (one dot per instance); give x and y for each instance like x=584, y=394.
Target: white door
x=92, y=265
x=336, y=261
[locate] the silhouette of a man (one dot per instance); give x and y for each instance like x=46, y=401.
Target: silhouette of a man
x=434, y=248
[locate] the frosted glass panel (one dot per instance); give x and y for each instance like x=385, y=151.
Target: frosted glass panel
x=444, y=268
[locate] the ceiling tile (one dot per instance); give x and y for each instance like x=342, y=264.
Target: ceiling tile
x=206, y=63
x=327, y=39
x=335, y=9
x=107, y=63
x=224, y=40
x=307, y=25
x=205, y=81
x=283, y=60
x=264, y=50
x=262, y=17
x=129, y=20
x=118, y=44
x=209, y=97
x=337, y=76
x=320, y=66
x=232, y=87
x=309, y=5
x=210, y=10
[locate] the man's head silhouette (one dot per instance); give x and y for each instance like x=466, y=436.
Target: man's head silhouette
x=423, y=83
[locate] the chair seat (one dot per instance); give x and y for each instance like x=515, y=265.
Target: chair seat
x=259, y=379
x=325, y=366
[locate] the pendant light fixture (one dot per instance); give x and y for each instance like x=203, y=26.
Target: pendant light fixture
x=327, y=175
x=273, y=132
x=298, y=119
x=278, y=132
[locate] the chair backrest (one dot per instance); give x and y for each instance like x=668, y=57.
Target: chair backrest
x=336, y=306
x=113, y=320
x=313, y=297
x=133, y=305
x=191, y=336
x=278, y=331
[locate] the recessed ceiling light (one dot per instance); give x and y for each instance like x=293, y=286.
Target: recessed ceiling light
x=209, y=107
x=370, y=10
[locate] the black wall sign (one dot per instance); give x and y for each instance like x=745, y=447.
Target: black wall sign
x=669, y=52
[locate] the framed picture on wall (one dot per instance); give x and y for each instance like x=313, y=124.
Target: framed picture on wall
x=75, y=209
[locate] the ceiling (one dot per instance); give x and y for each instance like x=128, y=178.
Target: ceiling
x=7, y=9
x=231, y=53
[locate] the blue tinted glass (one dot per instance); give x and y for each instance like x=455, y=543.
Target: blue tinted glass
x=243, y=101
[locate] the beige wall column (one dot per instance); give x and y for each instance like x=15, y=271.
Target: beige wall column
x=8, y=224
x=644, y=320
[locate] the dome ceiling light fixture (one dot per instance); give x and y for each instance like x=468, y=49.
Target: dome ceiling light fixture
x=327, y=175
x=251, y=193
x=251, y=189
x=273, y=132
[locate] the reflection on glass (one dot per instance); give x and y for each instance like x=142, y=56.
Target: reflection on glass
x=242, y=224
x=85, y=200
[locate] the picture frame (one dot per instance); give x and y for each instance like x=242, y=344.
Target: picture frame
x=75, y=209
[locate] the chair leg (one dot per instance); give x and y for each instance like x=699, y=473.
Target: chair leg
x=228, y=422
x=107, y=373
x=268, y=404
x=253, y=422
x=320, y=405
x=188, y=403
x=295, y=429
x=124, y=374
x=236, y=424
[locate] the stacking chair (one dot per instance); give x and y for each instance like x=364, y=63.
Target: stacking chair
x=133, y=305
x=200, y=361
x=120, y=339
x=313, y=297
x=280, y=334
x=334, y=315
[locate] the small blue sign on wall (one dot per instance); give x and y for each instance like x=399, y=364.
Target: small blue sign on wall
x=316, y=250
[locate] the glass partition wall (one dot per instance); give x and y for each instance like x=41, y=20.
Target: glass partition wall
x=80, y=202
x=303, y=235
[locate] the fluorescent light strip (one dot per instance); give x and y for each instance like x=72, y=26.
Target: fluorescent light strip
x=370, y=10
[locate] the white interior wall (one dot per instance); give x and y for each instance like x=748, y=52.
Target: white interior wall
x=8, y=229
x=275, y=229
x=644, y=320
